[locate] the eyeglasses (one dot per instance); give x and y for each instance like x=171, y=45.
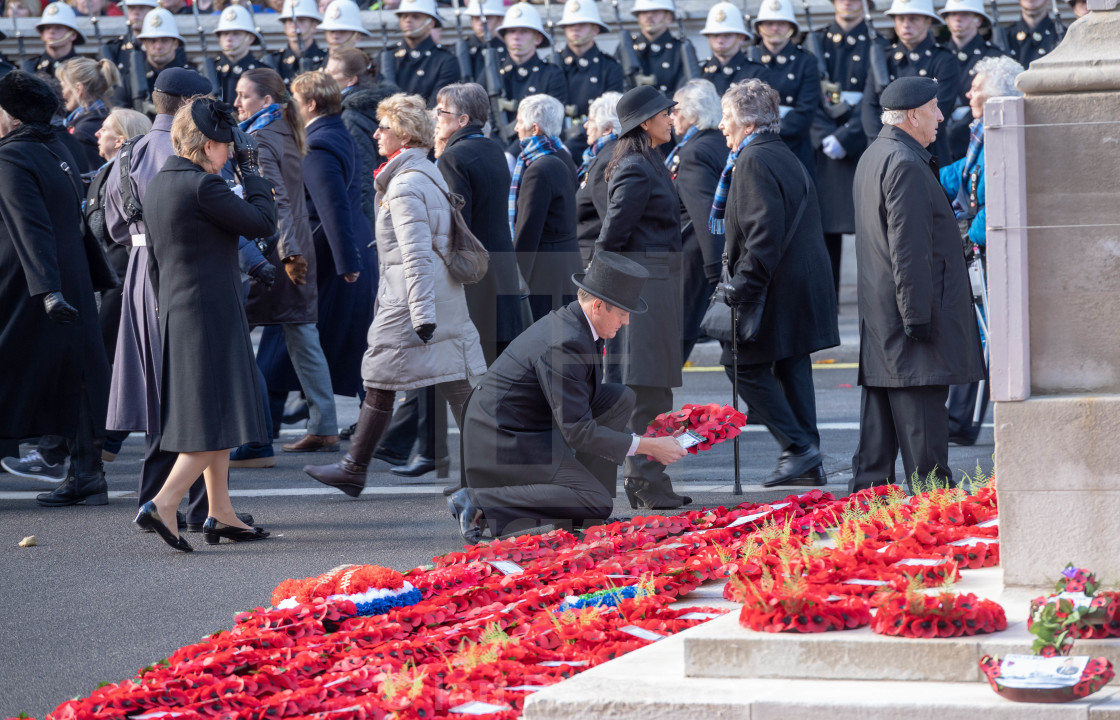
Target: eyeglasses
x=441, y=111
x=384, y=128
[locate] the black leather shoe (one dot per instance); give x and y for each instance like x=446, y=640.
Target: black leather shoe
x=198, y=527
x=470, y=517
x=391, y=458
x=148, y=519
x=420, y=465
x=213, y=532
x=791, y=466
x=813, y=478
x=962, y=440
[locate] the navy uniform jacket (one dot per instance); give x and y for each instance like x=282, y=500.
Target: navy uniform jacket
x=289, y=64
x=425, y=69
x=967, y=57
x=738, y=68
x=847, y=64
x=793, y=73
x=1028, y=44
x=478, y=57
x=117, y=51
x=589, y=76
x=122, y=95
x=661, y=58
x=925, y=60
x=45, y=63
x=229, y=73
x=532, y=77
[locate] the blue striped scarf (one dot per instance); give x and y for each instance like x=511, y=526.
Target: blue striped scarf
x=262, y=117
x=961, y=203
x=590, y=153
x=80, y=111
x=532, y=148
x=673, y=154
x=719, y=201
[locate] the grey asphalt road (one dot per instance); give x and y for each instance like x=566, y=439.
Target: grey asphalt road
x=96, y=600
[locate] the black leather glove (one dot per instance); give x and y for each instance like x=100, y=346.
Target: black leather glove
x=265, y=274
x=917, y=332
x=246, y=152
x=726, y=293
x=425, y=332
x=59, y=310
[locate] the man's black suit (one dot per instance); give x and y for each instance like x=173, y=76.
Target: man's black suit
x=542, y=434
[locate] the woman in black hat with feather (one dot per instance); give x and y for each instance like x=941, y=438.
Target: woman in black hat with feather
x=642, y=221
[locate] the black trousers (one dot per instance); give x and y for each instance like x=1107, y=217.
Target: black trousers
x=579, y=489
x=420, y=423
x=962, y=406
x=912, y=420
x=834, y=243
x=649, y=402
x=781, y=396
x=696, y=292
x=153, y=473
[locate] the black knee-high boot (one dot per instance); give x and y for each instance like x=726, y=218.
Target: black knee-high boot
x=349, y=474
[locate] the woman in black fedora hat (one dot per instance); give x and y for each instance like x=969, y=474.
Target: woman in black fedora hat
x=642, y=221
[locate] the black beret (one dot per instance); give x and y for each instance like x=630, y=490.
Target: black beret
x=214, y=118
x=183, y=82
x=27, y=98
x=908, y=93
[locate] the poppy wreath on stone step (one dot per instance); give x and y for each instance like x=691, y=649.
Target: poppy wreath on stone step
x=913, y=614
x=1077, y=609
x=1097, y=673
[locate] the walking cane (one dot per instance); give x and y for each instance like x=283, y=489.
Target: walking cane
x=735, y=390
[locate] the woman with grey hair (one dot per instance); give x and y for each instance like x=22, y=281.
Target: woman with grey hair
x=963, y=182
x=602, y=132
x=695, y=164
x=779, y=279
x=542, y=206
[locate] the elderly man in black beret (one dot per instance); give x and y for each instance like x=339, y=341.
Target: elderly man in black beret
x=52, y=358
x=918, y=333
x=543, y=435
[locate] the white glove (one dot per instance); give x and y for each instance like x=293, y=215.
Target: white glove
x=832, y=148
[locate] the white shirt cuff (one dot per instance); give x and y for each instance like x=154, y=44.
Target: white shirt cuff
x=633, y=447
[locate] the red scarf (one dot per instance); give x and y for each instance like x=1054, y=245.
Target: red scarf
x=382, y=165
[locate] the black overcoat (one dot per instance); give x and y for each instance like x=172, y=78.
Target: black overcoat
x=592, y=185
x=544, y=232
x=696, y=171
x=799, y=317
x=533, y=406
x=642, y=220
x=44, y=365
x=84, y=129
x=474, y=167
x=910, y=270
x=359, y=114
x=211, y=399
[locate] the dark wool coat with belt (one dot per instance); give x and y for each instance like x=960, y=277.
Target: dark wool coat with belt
x=642, y=220
x=211, y=399
x=911, y=271
x=45, y=365
x=795, y=281
x=544, y=234
x=285, y=302
x=475, y=168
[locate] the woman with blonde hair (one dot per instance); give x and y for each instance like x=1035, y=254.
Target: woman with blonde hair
x=421, y=334
x=210, y=396
x=120, y=125
x=86, y=89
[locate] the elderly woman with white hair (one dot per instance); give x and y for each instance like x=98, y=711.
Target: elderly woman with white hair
x=779, y=279
x=602, y=131
x=542, y=206
x=964, y=184
x=695, y=165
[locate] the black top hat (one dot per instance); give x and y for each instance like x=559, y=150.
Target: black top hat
x=214, y=119
x=615, y=279
x=640, y=104
x=27, y=98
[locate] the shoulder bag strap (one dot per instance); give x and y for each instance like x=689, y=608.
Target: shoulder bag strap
x=445, y=194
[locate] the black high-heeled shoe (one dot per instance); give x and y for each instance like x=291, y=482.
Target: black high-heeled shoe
x=148, y=519
x=213, y=532
x=643, y=495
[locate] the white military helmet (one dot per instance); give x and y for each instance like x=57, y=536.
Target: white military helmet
x=972, y=6
x=343, y=15
x=489, y=8
x=59, y=13
x=524, y=15
x=159, y=23
x=424, y=7
x=301, y=9
x=913, y=7
x=725, y=18
x=139, y=3
x=236, y=17
x=776, y=10
x=647, y=5
x=582, y=11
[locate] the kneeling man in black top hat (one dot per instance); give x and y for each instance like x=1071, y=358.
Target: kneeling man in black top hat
x=542, y=434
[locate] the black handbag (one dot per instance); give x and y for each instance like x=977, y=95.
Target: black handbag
x=717, y=319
